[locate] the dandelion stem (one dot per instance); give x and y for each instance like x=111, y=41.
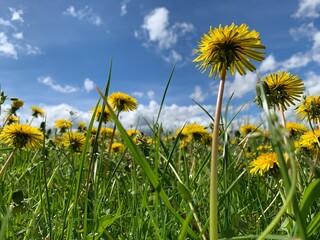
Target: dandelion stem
x=6, y=164
x=214, y=164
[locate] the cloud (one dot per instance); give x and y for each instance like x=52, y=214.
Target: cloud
x=316, y=48
x=18, y=35
x=198, y=95
x=268, y=64
x=138, y=94
x=150, y=94
x=241, y=85
x=88, y=85
x=84, y=14
x=16, y=15
x=123, y=7
x=156, y=29
x=31, y=50
x=173, y=57
x=6, y=23
x=48, y=81
x=305, y=30
x=312, y=83
x=7, y=48
x=308, y=9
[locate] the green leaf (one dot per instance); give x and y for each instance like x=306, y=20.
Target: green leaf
x=310, y=195
x=184, y=192
x=313, y=225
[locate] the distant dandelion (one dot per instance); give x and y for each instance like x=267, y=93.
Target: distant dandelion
x=12, y=119
x=82, y=126
x=63, y=124
x=195, y=132
x=122, y=102
x=264, y=163
x=36, y=112
x=21, y=136
x=117, y=147
x=295, y=129
x=102, y=113
x=73, y=140
x=247, y=129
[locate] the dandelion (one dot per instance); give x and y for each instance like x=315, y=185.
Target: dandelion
x=19, y=136
x=247, y=129
x=12, y=119
x=36, y=112
x=282, y=89
x=63, y=124
x=310, y=140
x=117, y=147
x=73, y=140
x=16, y=104
x=295, y=129
x=102, y=113
x=122, y=102
x=195, y=132
x=82, y=126
x=310, y=109
x=222, y=50
x=265, y=163
x=229, y=49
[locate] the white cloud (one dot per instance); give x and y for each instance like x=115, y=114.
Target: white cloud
x=6, y=47
x=296, y=61
x=241, y=85
x=305, y=30
x=138, y=94
x=88, y=85
x=18, y=35
x=150, y=94
x=316, y=48
x=173, y=57
x=268, y=64
x=31, y=50
x=16, y=15
x=308, y=9
x=48, y=81
x=157, y=29
x=6, y=23
x=123, y=7
x=84, y=14
x=312, y=83
x=198, y=95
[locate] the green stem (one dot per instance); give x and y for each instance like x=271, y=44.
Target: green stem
x=6, y=164
x=213, y=230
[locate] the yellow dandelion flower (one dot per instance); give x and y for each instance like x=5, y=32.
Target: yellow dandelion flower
x=195, y=131
x=102, y=113
x=82, y=126
x=106, y=131
x=17, y=103
x=282, y=89
x=264, y=163
x=73, y=140
x=63, y=124
x=12, y=119
x=122, y=102
x=36, y=112
x=21, y=136
x=310, y=140
x=309, y=109
x=248, y=128
x=117, y=147
x=295, y=129
x=264, y=148
x=229, y=48
x=133, y=132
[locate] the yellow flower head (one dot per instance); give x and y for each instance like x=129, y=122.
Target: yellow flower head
x=63, y=124
x=36, y=112
x=248, y=128
x=195, y=132
x=117, y=147
x=122, y=102
x=106, y=131
x=17, y=103
x=229, y=48
x=309, y=108
x=82, y=126
x=295, y=129
x=12, y=119
x=102, y=113
x=264, y=163
x=282, y=88
x=73, y=140
x=133, y=132
x=310, y=140
x=21, y=136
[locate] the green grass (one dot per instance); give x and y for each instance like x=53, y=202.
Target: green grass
x=148, y=192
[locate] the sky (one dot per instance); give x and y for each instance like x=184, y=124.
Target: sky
x=55, y=54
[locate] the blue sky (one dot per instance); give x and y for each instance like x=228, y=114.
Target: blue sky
x=54, y=53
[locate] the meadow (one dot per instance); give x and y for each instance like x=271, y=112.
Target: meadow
x=98, y=180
